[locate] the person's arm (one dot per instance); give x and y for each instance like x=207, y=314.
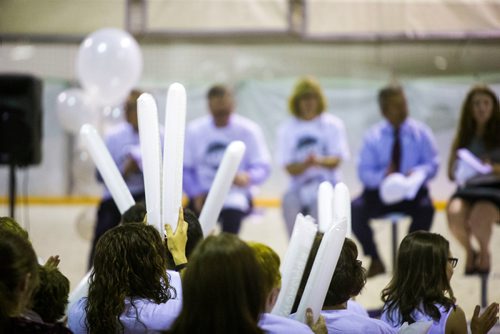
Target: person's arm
x=370, y=172
x=329, y=162
x=190, y=182
x=456, y=323
x=257, y=160
x=337, y=146
x=496, y=168
x=297, y=168
x=429, y=159
x=451, y=164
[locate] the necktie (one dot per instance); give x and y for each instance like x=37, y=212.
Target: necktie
x=396, y=151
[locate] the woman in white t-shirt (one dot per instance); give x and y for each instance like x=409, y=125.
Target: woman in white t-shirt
x=129, y=289
x=311, y=146
x=420, y=288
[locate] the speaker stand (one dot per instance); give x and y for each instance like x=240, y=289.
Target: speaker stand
x=12, y=188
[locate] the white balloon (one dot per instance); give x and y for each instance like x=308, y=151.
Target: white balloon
x=75, y=108
x=108, y=65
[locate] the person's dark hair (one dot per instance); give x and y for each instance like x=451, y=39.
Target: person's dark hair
x=129, y=262
x=194, y=236
x=218, y=90
x=386, y=93
x=51, y=297
x=131, y=102
x=222, y=289
x=349, y=277
x=307, y=270
x=419, y=280
x=12, y=225
x=306, y=86
x=135, y=214
x=17, y=259
x=466, y=129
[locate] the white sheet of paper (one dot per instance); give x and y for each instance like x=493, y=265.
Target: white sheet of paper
x=473, y=161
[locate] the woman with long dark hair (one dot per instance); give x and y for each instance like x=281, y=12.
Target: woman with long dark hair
x=420, y=288
x=474, y=208
x=18, y=281
x=129, y=288
x=223, y=290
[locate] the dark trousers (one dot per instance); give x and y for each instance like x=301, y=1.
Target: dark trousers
x=108, y=216
x=230, y=219
x=369, y=205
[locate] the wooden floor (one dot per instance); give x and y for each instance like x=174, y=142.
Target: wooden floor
x=67, y=231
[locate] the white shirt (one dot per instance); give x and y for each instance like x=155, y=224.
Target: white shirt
x=143, y=316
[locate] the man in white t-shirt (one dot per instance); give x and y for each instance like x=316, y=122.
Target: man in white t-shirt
x=206, y=141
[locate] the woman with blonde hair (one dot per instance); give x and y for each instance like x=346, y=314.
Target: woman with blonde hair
x=311, y=146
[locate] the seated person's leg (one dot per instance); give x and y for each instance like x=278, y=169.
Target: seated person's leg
x=231, y=220
x=421, y=210
x=291, y=206
x=482, y=217
x=363, y=209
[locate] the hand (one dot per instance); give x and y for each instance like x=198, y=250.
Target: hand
x=483, y=323
x=176, y=242
x=52, y=262
x=319, y=327
x=311, y=160
x=242, y=179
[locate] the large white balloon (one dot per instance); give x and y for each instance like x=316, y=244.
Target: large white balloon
x=75, y=108
x=108, y=65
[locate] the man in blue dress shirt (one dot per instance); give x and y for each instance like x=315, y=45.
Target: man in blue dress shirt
x=398, y=144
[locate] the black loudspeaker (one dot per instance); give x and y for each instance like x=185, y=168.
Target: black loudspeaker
x=20, y=120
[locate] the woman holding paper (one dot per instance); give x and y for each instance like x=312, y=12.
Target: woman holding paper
x=311, y=146
x=474, y=207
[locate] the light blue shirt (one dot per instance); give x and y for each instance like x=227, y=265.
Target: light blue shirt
x=438, y=327
x=346, y=321
x=418, y=151
x=141, y=316
x=122, y=143
x=274, y=324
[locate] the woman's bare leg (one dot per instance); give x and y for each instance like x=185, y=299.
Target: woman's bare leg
x=482, y=217
x=458, y=211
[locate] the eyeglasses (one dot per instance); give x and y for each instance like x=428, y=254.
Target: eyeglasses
x=453, y=261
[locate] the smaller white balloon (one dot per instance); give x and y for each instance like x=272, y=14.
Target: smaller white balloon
x=75, y=108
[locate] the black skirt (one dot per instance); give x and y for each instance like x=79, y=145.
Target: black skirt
x=483, y=187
